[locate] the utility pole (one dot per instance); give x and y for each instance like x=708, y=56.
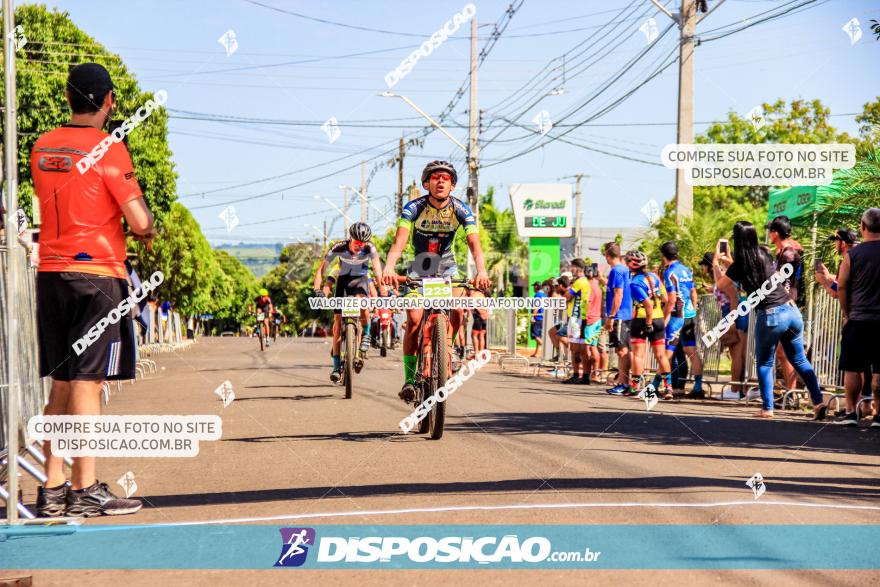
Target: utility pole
x=400, y=179
x=325, y=235
x=474, y=123
x=687, y=24
x=577, y=217
x=364, y=210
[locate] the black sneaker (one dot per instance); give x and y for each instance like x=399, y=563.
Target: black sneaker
x=51, y=501
x=336, y=375
x=849, y=419
x=407, y=392
x=97, y=500
x=571, y=380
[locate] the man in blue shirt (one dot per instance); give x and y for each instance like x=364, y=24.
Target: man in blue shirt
x=680, y=311
x=537, y=329
x=618, y=314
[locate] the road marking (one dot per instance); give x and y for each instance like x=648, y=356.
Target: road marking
x=519, y=507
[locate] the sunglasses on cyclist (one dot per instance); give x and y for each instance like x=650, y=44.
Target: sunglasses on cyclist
x=437, y=176
x=357, y=244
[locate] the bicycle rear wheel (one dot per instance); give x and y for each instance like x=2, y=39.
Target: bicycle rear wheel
x=350, y=338
x=261, y=337
x=439, y=371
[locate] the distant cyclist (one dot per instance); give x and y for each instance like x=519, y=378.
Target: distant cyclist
x=278, y=319
x=264, y=304
x=433, y=221
x=355, y=255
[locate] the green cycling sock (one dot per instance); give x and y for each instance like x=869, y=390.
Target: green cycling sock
x=410, y=363
x=336, y=362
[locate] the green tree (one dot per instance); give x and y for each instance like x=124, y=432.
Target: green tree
x=717, y=208
x=182, y=253
x=54, y=43
x=233, y=290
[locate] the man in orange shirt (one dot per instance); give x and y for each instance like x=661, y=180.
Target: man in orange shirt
x=82, y=278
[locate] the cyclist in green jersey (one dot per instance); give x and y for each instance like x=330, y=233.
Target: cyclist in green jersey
x=432, y=220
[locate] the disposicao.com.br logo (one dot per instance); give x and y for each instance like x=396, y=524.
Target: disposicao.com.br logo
x=389, y=549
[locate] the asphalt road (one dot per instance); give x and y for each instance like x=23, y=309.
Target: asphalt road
x=517, y=450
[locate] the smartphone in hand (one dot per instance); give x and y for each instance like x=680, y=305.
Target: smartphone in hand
x=724, y=246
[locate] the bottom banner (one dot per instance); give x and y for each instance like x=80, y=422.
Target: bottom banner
x=440, y=547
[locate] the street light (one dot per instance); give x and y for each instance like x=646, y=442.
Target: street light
x=424, y=114
x=369, y=203
x=472, y=165
x=341, y=211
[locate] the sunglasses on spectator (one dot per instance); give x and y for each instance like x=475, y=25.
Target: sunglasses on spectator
x=438, y=176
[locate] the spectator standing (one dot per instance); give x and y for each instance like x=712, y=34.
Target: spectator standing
x=593, y=329
x=82, y=277
x=790, y=251
x=680, y=311
x=858, y=290
x=735, y=339
x=579, y=295
x=777, y=318
x=618, y=314
x=537, y=327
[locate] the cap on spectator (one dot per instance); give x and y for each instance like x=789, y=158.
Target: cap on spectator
x=846, y=235
x=567, y=274
x=90, y=80
x=707, y=260
x=536, y=284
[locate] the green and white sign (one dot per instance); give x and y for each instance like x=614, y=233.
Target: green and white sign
x=542, y=209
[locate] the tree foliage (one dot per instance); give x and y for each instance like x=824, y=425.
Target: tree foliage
x=54, y=44
x=717, y=208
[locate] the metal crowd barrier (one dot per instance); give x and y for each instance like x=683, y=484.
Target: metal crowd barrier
x=33, y=391
x=825, y=351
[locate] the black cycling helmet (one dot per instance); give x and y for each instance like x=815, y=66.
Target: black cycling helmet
x=360, y=231
x=439, y=166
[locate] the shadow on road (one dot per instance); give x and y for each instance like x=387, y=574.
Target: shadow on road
x=782, y=488
x=668, y=430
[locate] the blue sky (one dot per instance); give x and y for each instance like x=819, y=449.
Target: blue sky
x=294, y=69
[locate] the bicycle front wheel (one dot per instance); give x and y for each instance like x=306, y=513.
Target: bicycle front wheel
x=439, y=371
x=350, y=338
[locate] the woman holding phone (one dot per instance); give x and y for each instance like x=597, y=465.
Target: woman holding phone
x=778, y=320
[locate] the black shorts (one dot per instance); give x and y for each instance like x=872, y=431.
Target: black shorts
x=479, y=323
x=639, y=332
x=351, y=285
x=688, y=335
x=619, y=335
x=859, y=350
x=70, y=305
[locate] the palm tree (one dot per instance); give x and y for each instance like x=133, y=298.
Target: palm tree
x=505, y=252
x=852, y=191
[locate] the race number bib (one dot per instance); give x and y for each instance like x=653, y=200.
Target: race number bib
x=436, y=287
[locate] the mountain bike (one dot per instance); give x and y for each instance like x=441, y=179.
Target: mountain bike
x=261, y=317
x=386, y=338
x=434, y=364
x=348, y=344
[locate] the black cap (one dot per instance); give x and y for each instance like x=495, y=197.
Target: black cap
x=846, y=235
x=90, y=80
x=707, y=259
